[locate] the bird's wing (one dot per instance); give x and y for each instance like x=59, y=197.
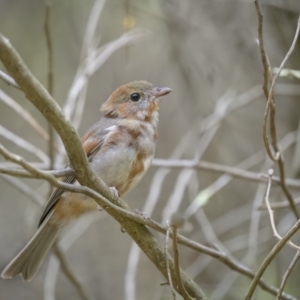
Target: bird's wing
x=92, y=142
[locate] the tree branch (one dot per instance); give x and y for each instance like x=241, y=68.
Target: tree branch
x=9, y=80
x=270, y=107
x=276, y=249
x=287, y=274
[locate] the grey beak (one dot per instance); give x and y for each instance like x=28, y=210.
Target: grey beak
x=161, y=91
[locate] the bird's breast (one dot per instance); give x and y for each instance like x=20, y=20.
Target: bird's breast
x=126, y=155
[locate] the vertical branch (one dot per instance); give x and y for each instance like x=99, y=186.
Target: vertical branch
x=50, y=81
x=264, y=56
x=168, y=264
x=176, y=222
x=270, y=106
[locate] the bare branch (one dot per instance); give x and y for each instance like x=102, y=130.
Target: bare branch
x=271, y=213
x=276, y=249
x=176, y=222
x=50, y=81
x=168, y=265
x=9, y=80
x=270, y=107
x=287, y=274
x=47, y=30
x=20, y=142
x=264, y=56
x=279, y=205
x=24, y=174
x=287, y=56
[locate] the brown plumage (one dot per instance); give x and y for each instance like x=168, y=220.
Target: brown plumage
x=120, y=148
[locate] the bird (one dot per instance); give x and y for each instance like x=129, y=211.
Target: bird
x=119, y=147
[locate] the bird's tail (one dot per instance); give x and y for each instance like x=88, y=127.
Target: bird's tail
x=28, y=261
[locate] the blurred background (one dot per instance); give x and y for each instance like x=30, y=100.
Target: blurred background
x=207, y=52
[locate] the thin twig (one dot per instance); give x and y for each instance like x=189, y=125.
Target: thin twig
x=270, y=106
x=266, y=66
x=280, y=244
x=264, y=56
x=47, y=29
x=174, y=227
x=24, y=144
x=254, y=226
x=287, y=274
x=8, y=168
x=276, y=249
x=271, y=213
x=24, y=174
x=273, y=125
x=279, y=205
x=9, y=80
x=50, y=81
x=168, y=265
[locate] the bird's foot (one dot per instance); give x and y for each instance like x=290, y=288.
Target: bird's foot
x=115, y=192
x=141, y=213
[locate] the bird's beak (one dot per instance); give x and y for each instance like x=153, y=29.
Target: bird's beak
x=161, y=91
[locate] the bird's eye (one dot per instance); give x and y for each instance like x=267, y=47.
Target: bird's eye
x=135, y=97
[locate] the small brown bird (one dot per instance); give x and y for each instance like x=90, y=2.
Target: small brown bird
x=120, y=148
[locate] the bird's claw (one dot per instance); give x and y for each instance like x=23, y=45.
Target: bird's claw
x=115, y=192
x=141, y=213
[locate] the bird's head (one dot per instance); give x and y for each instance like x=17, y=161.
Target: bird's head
x=136, y=100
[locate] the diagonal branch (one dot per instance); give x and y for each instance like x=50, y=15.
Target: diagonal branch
x=276, y=249
x=287, y=274
x=9, y=80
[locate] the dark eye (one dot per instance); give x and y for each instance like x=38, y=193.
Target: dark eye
x=135, y=97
